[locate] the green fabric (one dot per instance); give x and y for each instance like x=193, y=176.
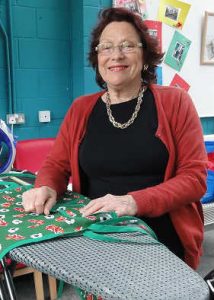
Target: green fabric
x=94, y=231
x=18, y=227
x=6, y=185
x=83, y=295
x=60, y=289
x=18, y=174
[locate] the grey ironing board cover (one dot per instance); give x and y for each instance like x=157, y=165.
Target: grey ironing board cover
x=116, y=271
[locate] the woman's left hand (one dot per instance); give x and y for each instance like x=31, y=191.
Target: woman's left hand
x=122, y=205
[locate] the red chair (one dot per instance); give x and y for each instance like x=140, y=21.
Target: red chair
x=30, y=155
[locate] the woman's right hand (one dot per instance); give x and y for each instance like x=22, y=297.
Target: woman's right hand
x=39, y=200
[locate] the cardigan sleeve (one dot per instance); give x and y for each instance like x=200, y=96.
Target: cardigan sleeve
x=63, y=159
x=187, y=181
x=55, y=171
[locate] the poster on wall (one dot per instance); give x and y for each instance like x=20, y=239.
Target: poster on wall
x=179, y=82
x=207, y=45
x=173, y=12
x=136, y=6
x=177, y=51
x=155, y=30
x=143, y=9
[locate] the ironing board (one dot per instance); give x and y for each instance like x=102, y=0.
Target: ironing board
x=115, y=271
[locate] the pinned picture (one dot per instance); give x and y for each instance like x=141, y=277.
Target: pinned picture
x=155, y=30
x=136, y=6
x=207, y=45
x=179, y=82
x=173, y=12
x=143, y=9
x=129, y=4
x=177, y=51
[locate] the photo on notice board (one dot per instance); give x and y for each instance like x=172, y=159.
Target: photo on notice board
x=179, y=82
x=177, y=51
x=173, y=12
x=207, y=45
x=143, y=9
x=136, y=6
x=155, y=30
x=129, y=4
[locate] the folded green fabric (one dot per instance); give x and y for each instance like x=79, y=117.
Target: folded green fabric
x=19, y=228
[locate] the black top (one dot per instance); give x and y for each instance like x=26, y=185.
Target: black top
x=118, y=161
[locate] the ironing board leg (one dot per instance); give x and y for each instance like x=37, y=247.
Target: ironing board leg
x=8, y=281
x=52, y=287
x=3, y=294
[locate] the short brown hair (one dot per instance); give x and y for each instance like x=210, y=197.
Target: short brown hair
x=152, y=55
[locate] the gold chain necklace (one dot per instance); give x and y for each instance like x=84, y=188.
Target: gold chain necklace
x=134, y=115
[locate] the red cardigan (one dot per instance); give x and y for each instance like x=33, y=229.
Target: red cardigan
x=184, y=183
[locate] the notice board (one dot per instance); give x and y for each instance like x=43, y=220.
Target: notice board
x=199, y=77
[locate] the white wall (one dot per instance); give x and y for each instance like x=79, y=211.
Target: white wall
x=200, y=77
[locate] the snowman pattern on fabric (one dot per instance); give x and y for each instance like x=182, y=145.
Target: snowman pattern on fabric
x=12, y=230
x=18, y=227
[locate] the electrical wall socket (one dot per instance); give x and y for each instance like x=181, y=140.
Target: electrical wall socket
x=44, y=116
x=20, y=119
x=17, y=118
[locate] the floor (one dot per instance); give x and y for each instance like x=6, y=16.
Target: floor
x=25, y=289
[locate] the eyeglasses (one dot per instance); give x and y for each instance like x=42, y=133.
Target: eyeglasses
x=107, y=48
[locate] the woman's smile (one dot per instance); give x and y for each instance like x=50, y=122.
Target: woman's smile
x=118, y=68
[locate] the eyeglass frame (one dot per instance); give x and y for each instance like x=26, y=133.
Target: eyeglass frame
x=136, y=45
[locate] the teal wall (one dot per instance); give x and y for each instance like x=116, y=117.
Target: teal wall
x=49, y=57
x=84, y=17
x=208, y=124
x=3, y=74
x=41, y=58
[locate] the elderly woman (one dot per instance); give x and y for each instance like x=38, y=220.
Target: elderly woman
x=135, y=148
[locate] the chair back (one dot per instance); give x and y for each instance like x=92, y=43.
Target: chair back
x=30, y=154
